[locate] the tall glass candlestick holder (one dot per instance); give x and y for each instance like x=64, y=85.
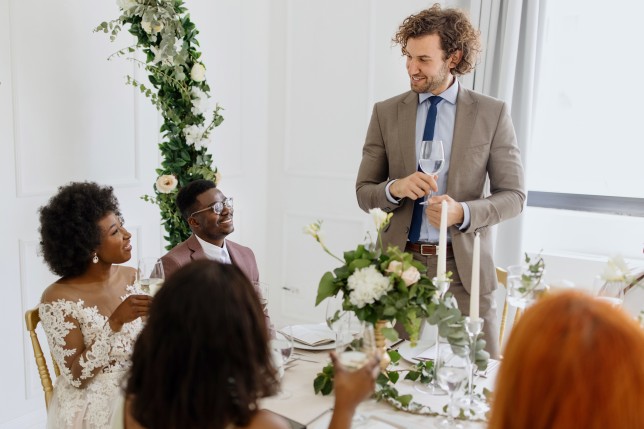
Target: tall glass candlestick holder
x=478, y=407
x=433, y=387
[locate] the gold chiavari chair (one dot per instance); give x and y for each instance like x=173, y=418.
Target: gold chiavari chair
x=32, y=318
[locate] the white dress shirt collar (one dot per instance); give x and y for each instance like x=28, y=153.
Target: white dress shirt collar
x=214, y=252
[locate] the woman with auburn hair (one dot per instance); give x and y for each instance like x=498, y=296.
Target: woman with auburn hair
x=203, y=360
x=572, y=361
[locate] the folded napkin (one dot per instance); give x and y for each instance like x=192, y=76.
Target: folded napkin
x=312, y=335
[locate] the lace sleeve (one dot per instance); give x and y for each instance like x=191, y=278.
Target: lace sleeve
x=79, y=339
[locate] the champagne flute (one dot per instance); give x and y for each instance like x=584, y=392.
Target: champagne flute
x=150, y=275
x=355, y=346
x=431, y=160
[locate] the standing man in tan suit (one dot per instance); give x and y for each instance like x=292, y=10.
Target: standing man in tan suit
x=482, y=180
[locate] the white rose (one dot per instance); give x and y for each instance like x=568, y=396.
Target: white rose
x=380, y=218
x=217, y=177
x=395, y=267
x=152, y=27
x=166, y=183
x=410, y=276
x=147, y=26
x=126, y=4
x=198, y=72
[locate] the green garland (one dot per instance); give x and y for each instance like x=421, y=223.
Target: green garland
x=167, y=38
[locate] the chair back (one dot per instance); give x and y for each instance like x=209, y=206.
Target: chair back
x=502, y=279
x=32, y=318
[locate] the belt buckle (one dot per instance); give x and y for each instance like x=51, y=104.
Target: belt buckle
x=432, y=249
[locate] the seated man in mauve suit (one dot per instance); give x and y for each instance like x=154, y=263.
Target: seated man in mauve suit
x=210, y=217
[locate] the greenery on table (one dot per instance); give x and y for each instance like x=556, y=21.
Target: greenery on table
x=422, y=372
x=167, y=39
x=390, y=285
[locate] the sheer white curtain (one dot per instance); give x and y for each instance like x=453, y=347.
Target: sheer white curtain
x=512, y=29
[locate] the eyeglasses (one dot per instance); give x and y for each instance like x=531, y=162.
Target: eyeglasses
x=218, y=207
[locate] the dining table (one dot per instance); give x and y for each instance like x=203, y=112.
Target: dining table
x=299, y=402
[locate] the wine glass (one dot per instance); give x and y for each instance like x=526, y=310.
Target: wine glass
x=281, y=352
x=150, y=275
x=431, y=159
x=451, y=377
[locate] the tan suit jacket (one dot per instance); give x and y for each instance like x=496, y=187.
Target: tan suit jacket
x=190, y=250
x=483, y=145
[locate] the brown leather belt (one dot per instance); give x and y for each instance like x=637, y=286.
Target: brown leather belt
x=427, y=249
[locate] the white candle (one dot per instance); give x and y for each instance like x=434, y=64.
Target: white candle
x=476, y=271
x=442, y=243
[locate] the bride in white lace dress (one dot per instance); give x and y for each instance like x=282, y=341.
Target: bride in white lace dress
x=92, y=314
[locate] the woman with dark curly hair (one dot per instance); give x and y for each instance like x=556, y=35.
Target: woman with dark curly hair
x=91, y=315
x=198, y=365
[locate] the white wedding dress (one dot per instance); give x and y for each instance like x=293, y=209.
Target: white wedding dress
x=91, y=405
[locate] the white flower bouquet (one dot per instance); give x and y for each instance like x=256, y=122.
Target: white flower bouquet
x=390, y=285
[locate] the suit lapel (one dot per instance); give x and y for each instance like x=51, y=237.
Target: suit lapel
x=196, y=251
x=466, y=111
x=407, y=110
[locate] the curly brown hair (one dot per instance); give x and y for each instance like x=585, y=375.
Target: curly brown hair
x=69, y=231
x=454, y=29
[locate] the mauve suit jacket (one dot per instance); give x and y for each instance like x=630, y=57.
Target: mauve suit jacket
x=483, y=145
x=190, y=250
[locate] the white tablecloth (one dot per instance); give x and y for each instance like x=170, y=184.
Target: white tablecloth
x=304, y=406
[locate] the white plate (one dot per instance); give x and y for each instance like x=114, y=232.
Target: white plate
x=408, y=353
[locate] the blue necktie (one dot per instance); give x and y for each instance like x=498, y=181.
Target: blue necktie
x=428, y=134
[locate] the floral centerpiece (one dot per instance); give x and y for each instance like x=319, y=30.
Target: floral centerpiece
x=390, y=285
x=166, y=37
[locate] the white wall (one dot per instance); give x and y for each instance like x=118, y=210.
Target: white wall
x=298, y=80
x=65, y=114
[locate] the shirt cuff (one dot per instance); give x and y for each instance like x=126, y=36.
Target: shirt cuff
x=390, y=197
x=466, y=217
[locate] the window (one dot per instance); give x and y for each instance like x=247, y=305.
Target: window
x=588, y=129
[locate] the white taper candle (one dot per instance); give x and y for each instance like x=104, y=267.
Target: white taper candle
x=476, y=272
x=442, y=244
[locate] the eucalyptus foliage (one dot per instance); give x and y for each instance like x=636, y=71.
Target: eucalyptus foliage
x=167, y=39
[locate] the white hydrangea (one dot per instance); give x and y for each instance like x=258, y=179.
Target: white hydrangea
x=199, y=101
x=195, y=136
x=367, y=285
